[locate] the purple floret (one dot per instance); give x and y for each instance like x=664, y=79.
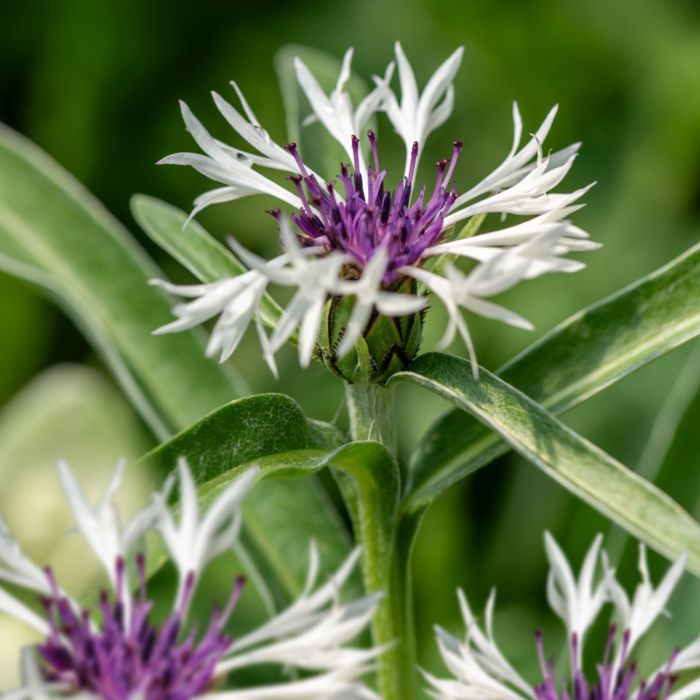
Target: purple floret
x=611, y=683
x=126, y=653
x=371, y=218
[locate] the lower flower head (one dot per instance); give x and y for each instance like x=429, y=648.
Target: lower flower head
x=119, y=652
x=126, y=653
x=480, y=670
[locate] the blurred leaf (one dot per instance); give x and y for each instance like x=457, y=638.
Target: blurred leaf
x=192, y=246
x=670, y=416
x=581, y=467
x=662, y=436
x=586, y=353
x=56, y=235
x=316, y=145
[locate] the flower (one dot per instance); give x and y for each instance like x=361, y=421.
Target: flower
x=480, y=670
x=354, y=237
x=121, y=654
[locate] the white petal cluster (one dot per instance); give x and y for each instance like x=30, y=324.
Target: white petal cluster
x=480, y=671
x=478, y=667
x=523, y=182
x=336, y=111
x=311, y=635
x=415, y=116
x=522, y=185
x=238, y=300
x=499, y=271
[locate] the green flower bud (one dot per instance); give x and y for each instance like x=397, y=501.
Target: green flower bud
x=387, y=344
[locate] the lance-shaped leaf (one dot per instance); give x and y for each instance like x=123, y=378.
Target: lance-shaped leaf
x=56, y=235
x=192, y=246
x=270, y=431
x=280, y=518
x=586, y=353
x=584, y=469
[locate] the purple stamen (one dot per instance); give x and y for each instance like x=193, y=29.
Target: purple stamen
x=412, y=163
x=126, y=654
x=292, y=148
x=370, y=217
x=456, y=148
x=356, y=154
x=606, y=688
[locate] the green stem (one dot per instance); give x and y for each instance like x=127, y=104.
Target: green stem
x=384, y=557
x=371, y=408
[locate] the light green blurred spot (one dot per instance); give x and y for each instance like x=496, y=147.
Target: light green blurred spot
x=70, y=412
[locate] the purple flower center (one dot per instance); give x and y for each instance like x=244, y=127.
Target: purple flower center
x=371, y=217
x=126, y=654
x=616, y=677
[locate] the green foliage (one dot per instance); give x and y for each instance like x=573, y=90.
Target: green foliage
x=577, y=464
x=269, y=431
x=74, y=250
x=586, y=353
x=237, y=434
x=191, y=245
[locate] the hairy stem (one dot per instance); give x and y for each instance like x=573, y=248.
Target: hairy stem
x=375, y=516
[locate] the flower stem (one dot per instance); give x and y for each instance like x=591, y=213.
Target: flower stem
x=371, y=408
x=375, y=516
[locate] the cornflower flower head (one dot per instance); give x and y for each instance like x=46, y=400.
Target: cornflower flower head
x=480, y=670
x=362, y=255
x=118, y=652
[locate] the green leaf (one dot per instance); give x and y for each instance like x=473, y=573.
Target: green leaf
x=581, y=467
x=589, y=351
x=192, y=246
x=56, y=235
x=316, y=145
x=237, y=434
x=674, y=413
x=280, y=517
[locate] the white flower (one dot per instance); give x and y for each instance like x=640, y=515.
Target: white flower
x=235, y=300
x=313, y=634
x=354, y=236
x=480, y=671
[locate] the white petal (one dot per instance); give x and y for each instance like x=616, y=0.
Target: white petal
x=11, y=606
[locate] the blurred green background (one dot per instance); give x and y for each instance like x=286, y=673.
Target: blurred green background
x=96, y=85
